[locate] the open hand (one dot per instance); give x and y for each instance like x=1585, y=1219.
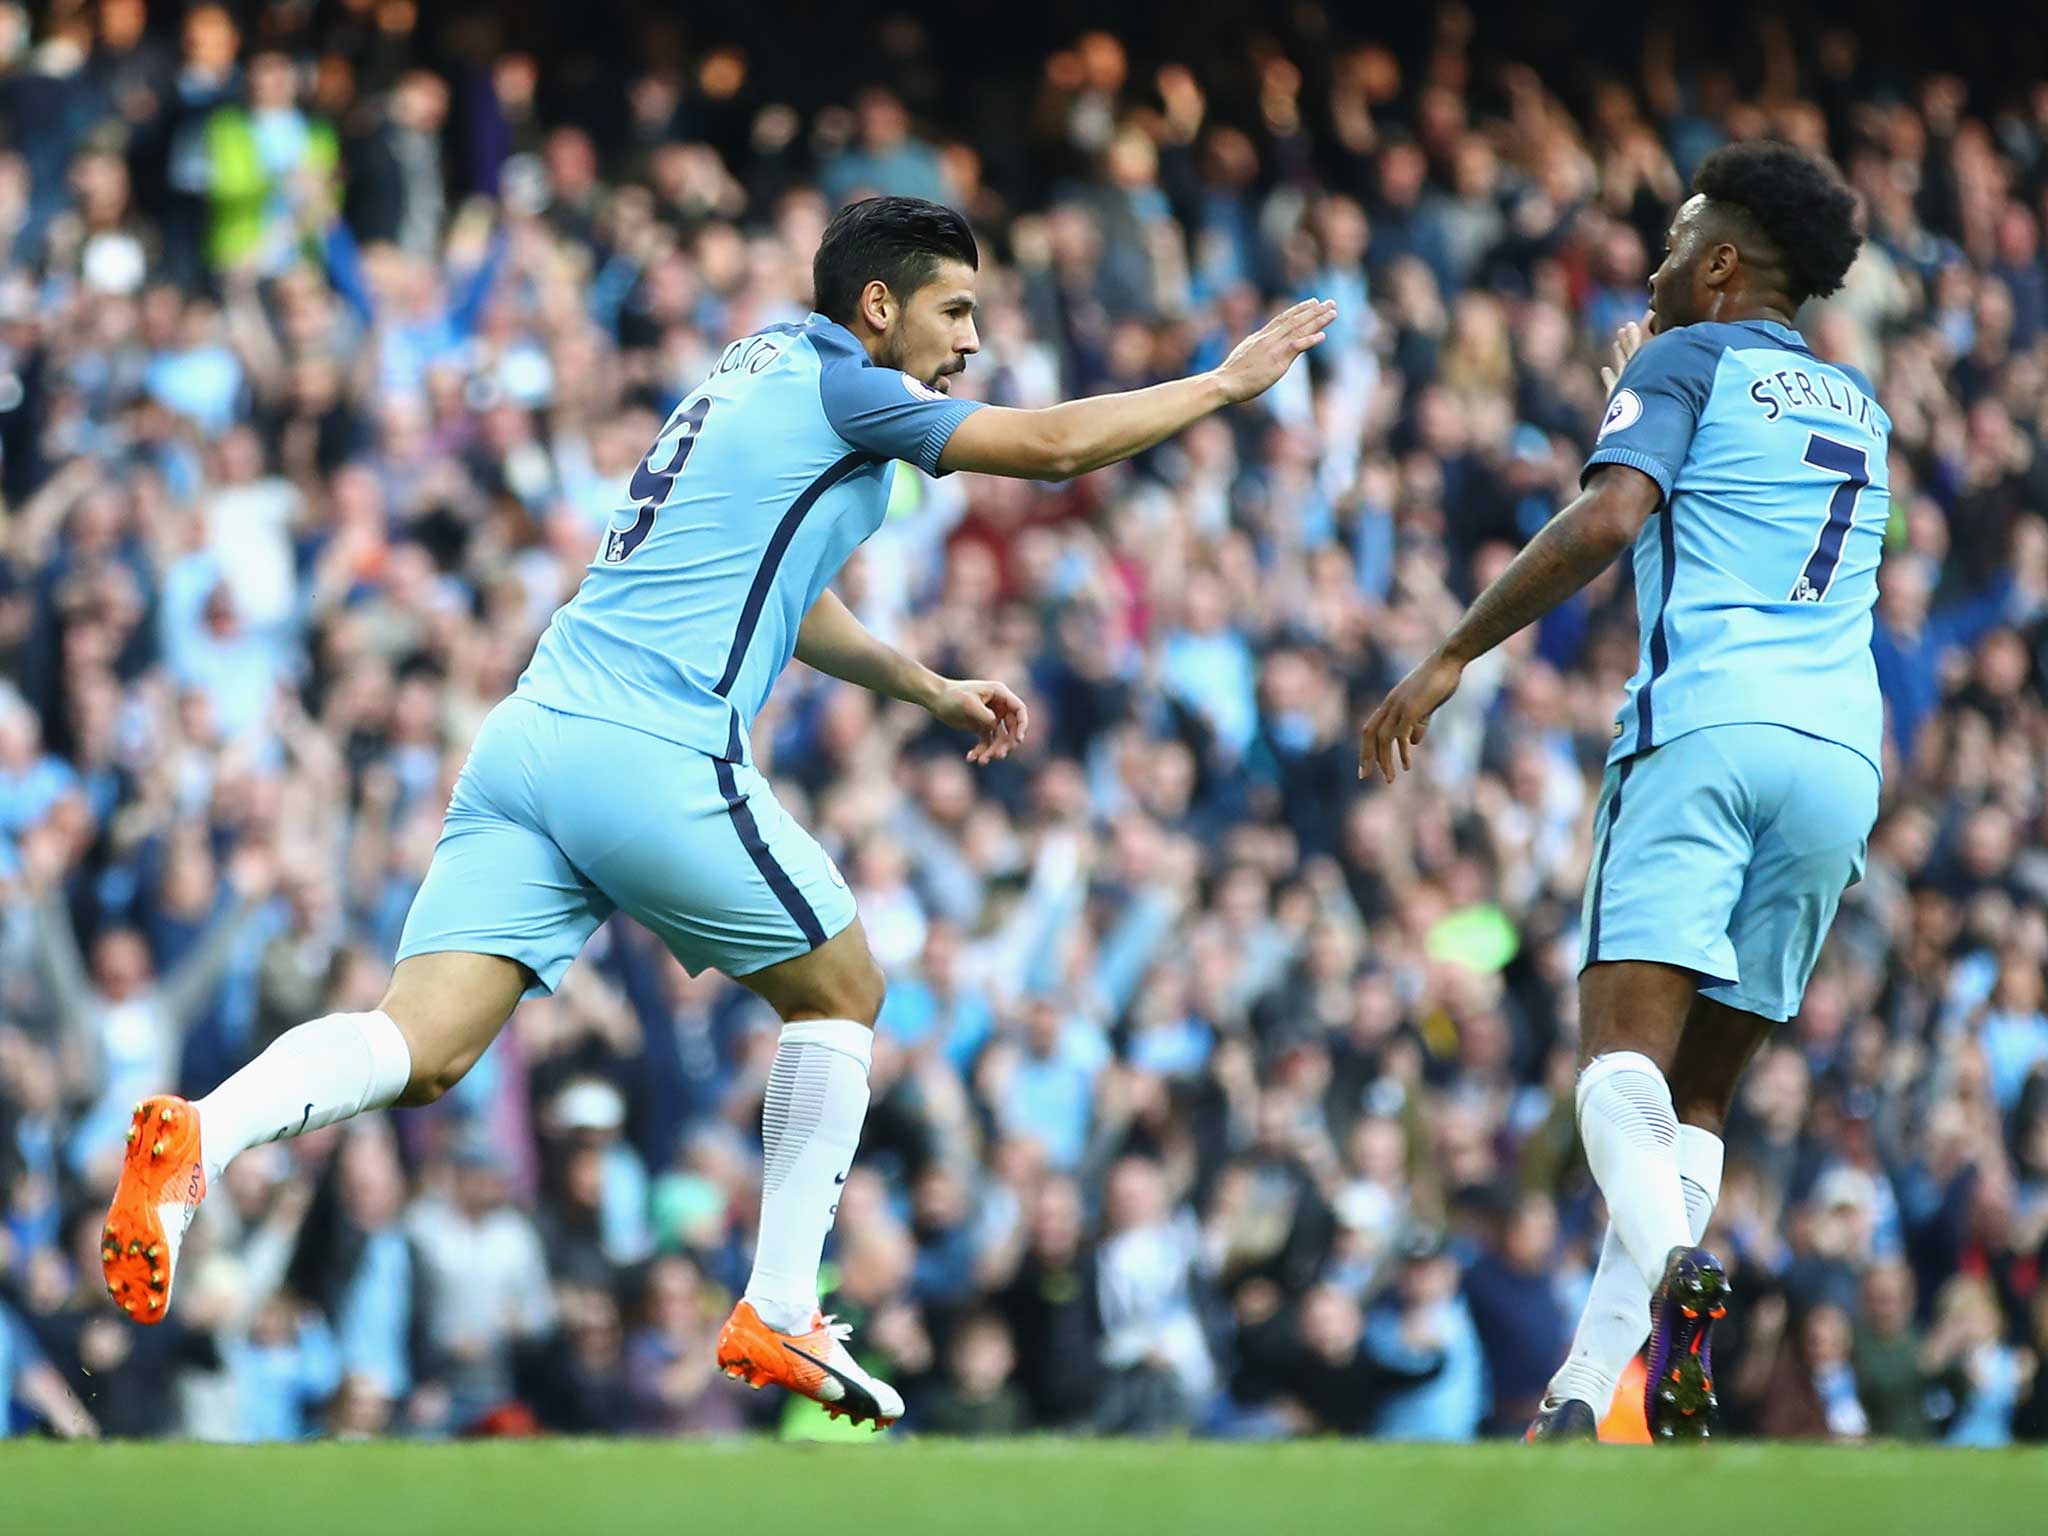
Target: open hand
x=254, y=871
x=1256, y=363
x=1628, y=341
x=988, y=709
x=44, y=858
x=1402, y=719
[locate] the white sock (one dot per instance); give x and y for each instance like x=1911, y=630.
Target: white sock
x=1700, y=1155
x=1630, y=1132
x=810, y=1128
x=310, y=1076
x=1617, y=1315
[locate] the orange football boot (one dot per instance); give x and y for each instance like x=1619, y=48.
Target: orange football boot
x=814, y=1364
x=162, y=1183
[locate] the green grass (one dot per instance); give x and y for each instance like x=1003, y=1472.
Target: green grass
x=1043, y=1487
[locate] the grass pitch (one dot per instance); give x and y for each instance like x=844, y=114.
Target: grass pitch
x=1040, y=1487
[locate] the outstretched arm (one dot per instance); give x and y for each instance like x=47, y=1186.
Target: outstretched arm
x=252, y=876
x=1062, y=441
x=43, y=1389
x=1574, y=547
x=832, y=640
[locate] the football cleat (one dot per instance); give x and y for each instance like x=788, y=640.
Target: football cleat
x=1560, y=1421
x=1678, y=1391
x=814, y=1364
x=162, y=1183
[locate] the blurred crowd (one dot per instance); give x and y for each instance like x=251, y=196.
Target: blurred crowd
x=1215, y=1090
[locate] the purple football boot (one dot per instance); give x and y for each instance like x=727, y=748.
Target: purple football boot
x=1678, y=1393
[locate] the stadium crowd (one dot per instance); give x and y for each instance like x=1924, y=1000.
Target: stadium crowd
x=1215, y=1090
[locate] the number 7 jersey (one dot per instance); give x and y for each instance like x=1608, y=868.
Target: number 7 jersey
x=1756, y=577
x=763, y=481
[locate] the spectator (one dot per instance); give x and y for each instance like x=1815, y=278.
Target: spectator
x=1982, y=1378
x=354, y=1259
x=1815, y=1392
x=268, y=168
x=885, y=158
x=671, y=1360
x=131, y=1375
x=980, y=1398
x=485, y=1281
x=119, y=1015
x=2013, y=1028
x=282, y=1371
x=576, y=1381
x=1052, y=1299
x=1423, y=1323
x=597, y=1224
x=1046, y=1087
x=1153, y=1347
x=396, y=189
x=26, y=1376
x=873, y=1297
x=1524, y=1323
x=1886, y=1357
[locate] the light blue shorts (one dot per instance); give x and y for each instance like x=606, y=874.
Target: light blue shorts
x=558, y=821
x=1726, y=852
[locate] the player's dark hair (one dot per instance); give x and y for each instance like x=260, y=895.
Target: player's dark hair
x=1798, y=203
x=897, y=239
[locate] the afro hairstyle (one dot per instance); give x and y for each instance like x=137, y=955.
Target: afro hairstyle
x=1799, y=204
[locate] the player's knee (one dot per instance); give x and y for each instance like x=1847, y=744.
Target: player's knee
x=449, y=1007
x=433, y=1074
x=432, y=1081
x=438, y=1063
x=865, y=987
x=852, y=990
x=1702, y=1097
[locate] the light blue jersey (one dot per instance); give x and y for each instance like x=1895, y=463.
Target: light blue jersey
x=645, y=685
x=1743, y=782
x=765, y=479
x=1756, y=578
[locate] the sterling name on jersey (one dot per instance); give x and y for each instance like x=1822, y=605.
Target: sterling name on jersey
x=1755, y=579
x=765, y=479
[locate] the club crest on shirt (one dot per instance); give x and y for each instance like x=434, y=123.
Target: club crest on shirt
x=919, y=391
x=1623, y=412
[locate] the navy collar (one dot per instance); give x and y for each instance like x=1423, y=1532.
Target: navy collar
x=840, y=336
x=1784, y=335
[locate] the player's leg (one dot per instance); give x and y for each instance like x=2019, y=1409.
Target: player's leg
x=1713, y=1054
x=1814, y=803
x=811, y=1115
x=500, y=914
x=730, y=881
x=436, y=1017
x=811, y=1118
x=1632, y=1017
x=1631, y=1014
x=1666, y=872
x=1713, y=1050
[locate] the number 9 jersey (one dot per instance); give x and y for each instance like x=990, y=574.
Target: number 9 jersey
x=1756, y=578
x=763, y=481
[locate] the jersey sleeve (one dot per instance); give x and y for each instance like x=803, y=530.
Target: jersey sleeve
x=1656, y=407
x=890, y=414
